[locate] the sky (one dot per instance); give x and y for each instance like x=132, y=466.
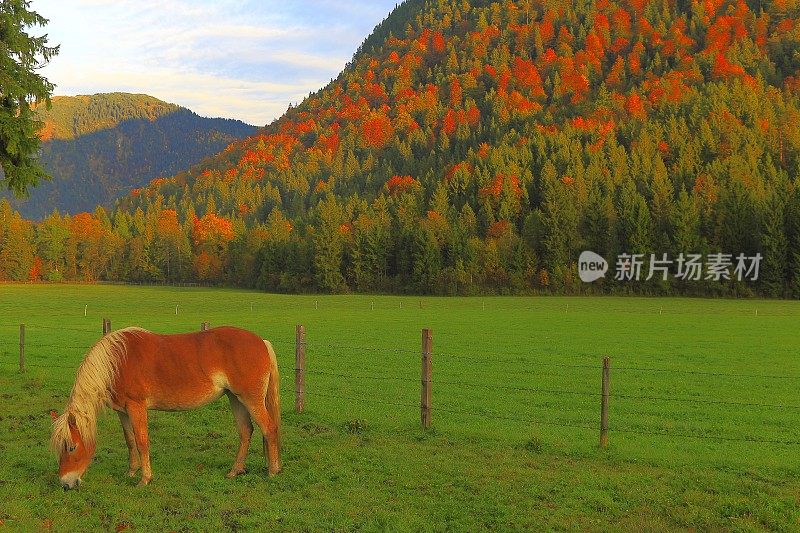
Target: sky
x=237, y=59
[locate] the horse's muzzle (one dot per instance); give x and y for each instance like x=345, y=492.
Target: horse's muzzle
x=70, y=482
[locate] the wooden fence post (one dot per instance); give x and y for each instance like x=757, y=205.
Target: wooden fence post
x=604, y=405
x=22, y=347
x=106, y=326
x=204, y=326
x=300, y=369
x=425, y=400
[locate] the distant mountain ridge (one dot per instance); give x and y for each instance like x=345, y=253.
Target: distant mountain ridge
x=100, y=147
x=73, y=116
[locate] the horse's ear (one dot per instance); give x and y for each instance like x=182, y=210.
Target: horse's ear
x=53, y=414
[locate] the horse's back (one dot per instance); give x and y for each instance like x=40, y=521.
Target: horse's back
x=180, y=371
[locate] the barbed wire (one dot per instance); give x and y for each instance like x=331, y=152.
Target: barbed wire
x=350, y=376
x=361, y=348
x=373, y=400
x=40, y=365
x=514, y=387
x=499, y=416
x=701, y=372
x=508, y=361
x=42, y=345
x=63, y=328
x=660, y=432
x=703, y=401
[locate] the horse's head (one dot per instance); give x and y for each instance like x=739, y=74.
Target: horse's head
x=74, y=453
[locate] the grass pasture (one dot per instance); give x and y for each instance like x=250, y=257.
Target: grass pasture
x=704, y=415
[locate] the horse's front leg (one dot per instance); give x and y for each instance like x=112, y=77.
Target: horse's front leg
x=133, y=452
x=138, y=416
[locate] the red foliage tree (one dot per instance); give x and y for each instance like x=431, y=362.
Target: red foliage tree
x=449, y=123
x=499, y=229
x=635, y=106
x=399, y=184
x=496, y=187
x=527, y=76
x=546, y=29
x=724, y=68
x=85, y=227
x=617, y=74
x=438, y=43
x=376, y=131
x=35, y=272
x=456, y=93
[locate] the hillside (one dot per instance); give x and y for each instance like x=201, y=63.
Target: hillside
x=472, y=146
x=73, y=116
x=100, y=147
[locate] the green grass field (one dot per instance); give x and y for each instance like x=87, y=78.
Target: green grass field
x=704, y=415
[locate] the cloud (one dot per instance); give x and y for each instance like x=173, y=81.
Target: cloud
x=245, y=60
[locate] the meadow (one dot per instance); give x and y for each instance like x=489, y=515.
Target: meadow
x=704, y=414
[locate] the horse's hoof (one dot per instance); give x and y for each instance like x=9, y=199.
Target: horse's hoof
x=132, y=472
x=143, y=482
x=235, y=472
x=274, y=472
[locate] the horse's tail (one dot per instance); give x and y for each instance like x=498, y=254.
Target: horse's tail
x=273, y=399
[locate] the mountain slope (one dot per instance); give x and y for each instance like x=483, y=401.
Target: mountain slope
x=100, y=147
x=492, y=141
x=73, y=116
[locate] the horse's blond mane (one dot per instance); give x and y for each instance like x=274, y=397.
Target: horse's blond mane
x=94, y=382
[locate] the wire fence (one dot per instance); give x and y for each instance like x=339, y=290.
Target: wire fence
x=453, y=381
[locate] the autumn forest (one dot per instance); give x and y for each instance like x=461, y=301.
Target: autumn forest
x=478, y=147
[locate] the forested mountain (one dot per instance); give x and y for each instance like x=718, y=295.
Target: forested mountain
x=73, y=116
x=98, y=148
x=476, y=146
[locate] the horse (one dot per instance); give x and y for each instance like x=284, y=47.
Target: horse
x=132, y=370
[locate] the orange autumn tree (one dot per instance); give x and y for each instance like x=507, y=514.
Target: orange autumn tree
x=400, y=184
x=376, y=130
x=211, y=232
x=211, y=235
x=87, y=251
x=170, y=249
x=35, y=273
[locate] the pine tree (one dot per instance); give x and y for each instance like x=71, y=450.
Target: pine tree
x=329, y=246
x=22, y=88
x=634, y=228
x=774, y=246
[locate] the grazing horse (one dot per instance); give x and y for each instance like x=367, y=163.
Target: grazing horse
x=133, y=370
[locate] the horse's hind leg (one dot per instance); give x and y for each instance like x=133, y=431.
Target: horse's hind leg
x=133, y=452
x=245, y=427
x=258, y=410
